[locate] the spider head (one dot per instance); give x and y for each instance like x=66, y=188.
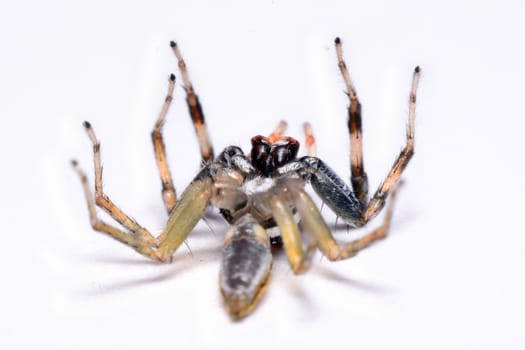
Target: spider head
x=267, y=156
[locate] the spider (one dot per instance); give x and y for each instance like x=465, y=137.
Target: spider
x=257, y=193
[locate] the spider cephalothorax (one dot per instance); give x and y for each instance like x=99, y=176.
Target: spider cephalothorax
x=256, y=192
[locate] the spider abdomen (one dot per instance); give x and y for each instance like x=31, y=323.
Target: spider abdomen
x=246, y=263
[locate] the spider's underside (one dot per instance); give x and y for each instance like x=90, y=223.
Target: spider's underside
x=255, y=193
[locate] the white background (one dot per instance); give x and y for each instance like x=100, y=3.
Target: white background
x=449, y=276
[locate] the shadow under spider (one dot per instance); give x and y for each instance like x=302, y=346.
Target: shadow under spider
x=180, y=264
x=334, y=276
x=185, y=262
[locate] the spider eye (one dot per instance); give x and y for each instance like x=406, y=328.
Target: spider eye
x=281, y=155
x=284, y=152
x=260, y=153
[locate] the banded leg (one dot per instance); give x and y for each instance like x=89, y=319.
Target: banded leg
x=378, y=200
x=359, y=178
x=278, y=132
x=103, y=201
x=195, y=108
x=169, y=195
x=311, y=148
x=381, y=232
x=317, y=227
x=136, y=243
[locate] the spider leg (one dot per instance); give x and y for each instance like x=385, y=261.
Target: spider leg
x=195, y=108
x=103, y=201
x=381, y=232
x=169, y=195
x=337, y=195
x=309, y=140
x=186, y=214
x=315, y=225
x=197, y=196
x=330, y=187
x=378, y=200
x=298, y=258
x=359, y=178
x=135, y=242
x=278, y=132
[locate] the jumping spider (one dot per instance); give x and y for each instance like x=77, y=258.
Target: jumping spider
x=255, y=193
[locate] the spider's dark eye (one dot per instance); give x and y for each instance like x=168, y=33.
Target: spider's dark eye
x=260, y=153
x=284, y=151
x=281, y=155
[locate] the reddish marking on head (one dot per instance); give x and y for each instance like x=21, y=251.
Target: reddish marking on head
x=273, y=137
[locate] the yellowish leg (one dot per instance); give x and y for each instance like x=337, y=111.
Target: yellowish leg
x=169, y=195
x=298, y=258
x=98, y=225
x=103, y=201
x=317, y=227
x=182, y=220
x=184, y=217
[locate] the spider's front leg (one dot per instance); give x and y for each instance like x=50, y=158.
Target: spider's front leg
x=342, y=200
x=339, y=197
x=347, y=203
x=359, y=177
x=315, y=225
x=290, y=193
